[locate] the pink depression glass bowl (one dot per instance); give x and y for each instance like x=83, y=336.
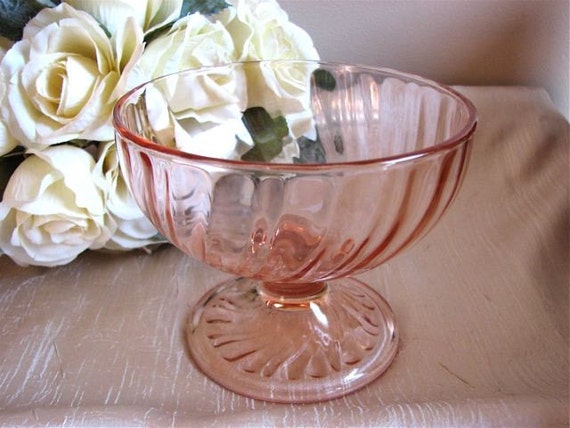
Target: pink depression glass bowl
x=386, y=155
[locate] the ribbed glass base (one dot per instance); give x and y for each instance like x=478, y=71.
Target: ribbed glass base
x=280, y=346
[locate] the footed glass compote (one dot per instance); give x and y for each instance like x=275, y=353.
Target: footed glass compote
x=294, y=176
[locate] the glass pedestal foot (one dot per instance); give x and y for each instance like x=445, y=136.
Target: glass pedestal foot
x=292, y=350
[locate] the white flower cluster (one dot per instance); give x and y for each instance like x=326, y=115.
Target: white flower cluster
x=58, y=86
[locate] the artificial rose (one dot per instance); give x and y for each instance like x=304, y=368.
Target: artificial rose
x=63, y=78
x=201, y=121
x=7, y=142
x=178, y=113
x=261, y=30
x=149, y=14
x=133, y=229
x=216, y=140
x=193, y=41
x=51, y=210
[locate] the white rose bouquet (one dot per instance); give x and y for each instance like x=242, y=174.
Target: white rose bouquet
x=63, y=65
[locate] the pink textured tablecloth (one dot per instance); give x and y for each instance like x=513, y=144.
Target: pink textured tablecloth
x=482, y=303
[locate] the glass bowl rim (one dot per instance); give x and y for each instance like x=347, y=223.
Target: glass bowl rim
x=456, y=140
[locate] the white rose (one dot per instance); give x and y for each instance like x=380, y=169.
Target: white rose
x=193, y=41
x=7, y=142
x=261, y=30
x=133, y=229
x=63, y=78
x=51, y=210
x=198, y=114
x=216, y=140
x=181, y=108
x=149, y=14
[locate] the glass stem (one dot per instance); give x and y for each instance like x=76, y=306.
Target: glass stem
x=284, y=296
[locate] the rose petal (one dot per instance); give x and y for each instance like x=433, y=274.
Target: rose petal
x=75, y=165
x=113, y=13
x=160, y=12
x=28, y=182
x=77, y=85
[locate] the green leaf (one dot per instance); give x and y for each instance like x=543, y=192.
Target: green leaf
x=15, y=14
x=338, y=144
x=205, y=7
x=324, y=79
x=267, y=134
x=155, y=34
x=310, y=151
x=105, y=29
